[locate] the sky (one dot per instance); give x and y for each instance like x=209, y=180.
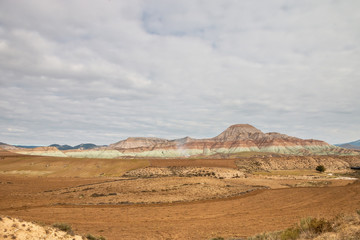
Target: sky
x=75, y=71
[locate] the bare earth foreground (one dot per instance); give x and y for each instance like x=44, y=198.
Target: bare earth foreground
x=243, y=215
x=172, y=199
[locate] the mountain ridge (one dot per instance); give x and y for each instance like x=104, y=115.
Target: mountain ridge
x=82, y=146
x=234, y=139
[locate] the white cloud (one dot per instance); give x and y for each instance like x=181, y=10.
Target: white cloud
x=15, y=130
x=175, y=68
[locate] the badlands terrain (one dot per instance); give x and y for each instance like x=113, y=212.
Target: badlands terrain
x=241, y=183
x=235, y=139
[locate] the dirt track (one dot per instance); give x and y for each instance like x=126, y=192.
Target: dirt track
x=262, y=210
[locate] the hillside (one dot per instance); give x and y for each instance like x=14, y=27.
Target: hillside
x=235, y=139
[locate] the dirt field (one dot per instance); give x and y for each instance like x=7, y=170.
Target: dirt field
x=17, y=164
x=43, y=200
x=93, y=197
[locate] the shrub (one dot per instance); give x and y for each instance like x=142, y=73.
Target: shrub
x=311, y=228
x=91, y=237
x=314, y=226
x=265, y=236
x=318, y=226
x=320, y=168
x=97, y=195
x=64, y=227
x=290, y=234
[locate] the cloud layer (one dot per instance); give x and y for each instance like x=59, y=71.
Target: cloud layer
x=74, y=71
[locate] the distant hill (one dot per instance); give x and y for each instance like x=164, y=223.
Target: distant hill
x=6, y=146
x=25, y=146
x=350, y=145
x=83, y=146
x=61, y=147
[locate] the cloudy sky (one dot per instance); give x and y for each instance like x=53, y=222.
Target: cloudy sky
x=101, y=71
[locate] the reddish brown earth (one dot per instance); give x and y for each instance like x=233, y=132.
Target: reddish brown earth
x=244, y=215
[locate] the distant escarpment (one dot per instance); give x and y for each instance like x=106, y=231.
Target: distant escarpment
x=235, y=139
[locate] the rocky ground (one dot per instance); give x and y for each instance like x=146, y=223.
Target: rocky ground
x=13, y=228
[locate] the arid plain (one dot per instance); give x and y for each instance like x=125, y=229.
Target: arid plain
x=187, y=198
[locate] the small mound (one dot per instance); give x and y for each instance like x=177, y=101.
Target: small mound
x=186, y=172
x=12, y=228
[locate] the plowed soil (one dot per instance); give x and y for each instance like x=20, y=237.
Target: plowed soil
x=30, y=198
x=17, y=164
x=91, y=196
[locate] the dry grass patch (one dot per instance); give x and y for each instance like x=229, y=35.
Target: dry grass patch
x=342, y=227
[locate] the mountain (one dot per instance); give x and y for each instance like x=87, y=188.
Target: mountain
x=61, y=147
x=3, y=144
x=7, y=146
x=137, y=142
x=350, y=145
x=26, y=146
x=83, y=146
x=86, y=146
x=239, y=132
x=236, y=138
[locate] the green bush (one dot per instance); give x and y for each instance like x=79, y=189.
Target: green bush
x=320, y=168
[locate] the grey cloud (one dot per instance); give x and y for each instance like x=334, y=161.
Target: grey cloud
x=104, y=71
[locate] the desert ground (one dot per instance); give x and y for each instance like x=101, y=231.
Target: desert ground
x=169, y=198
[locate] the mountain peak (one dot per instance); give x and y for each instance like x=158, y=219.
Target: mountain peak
x=244, y=127
x=238, y=131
